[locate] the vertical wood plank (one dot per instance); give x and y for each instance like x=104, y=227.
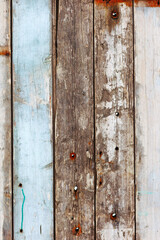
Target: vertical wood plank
x=114, y=120
x=5, y=123
x=147, y=89
x=33, y=153
x=74, y=162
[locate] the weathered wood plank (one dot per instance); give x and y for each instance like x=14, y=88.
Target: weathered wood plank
x=5, y=123
x=114, y=121
x=74, y=162
x=147, y=89
x=33, y=153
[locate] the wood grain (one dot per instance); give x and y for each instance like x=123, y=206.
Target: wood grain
x=32, y=89
x=147, y=89
x=114, y=132
x=5, y=124
x=74, y=162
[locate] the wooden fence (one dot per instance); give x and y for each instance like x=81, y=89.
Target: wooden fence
x=79, y=119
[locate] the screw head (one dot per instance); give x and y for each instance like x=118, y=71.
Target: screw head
x=77, y=229
x=117, y=114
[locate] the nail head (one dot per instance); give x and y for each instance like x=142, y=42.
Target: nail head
x=114, y=14
x=113, y=216
x=72, y=156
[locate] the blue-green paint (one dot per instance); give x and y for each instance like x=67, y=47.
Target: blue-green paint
x=22, y=208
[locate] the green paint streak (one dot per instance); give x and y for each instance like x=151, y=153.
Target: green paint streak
x=22, y=209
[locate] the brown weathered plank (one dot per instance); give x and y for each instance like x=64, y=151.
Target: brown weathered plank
x=114, y=132
x=5, y=123
x=74, y=162
x=147, y=90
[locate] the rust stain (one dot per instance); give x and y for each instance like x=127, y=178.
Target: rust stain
x=77, y=230
x=89, y=143
x=100, y=154
x=146, y=3
x=4, y=51
x=100, y=181
x=106, y=3
x=111, y=162
x=72, y=156
x=76, y=192
x=7, y=195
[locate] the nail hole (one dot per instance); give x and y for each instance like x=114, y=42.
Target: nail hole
x=113, y=216
x=116, y=148
x=21, y=230
x=20, y=185
x=72, y=156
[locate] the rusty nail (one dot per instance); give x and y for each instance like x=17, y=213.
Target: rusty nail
x=72, y=156
x=114, y=14
x=113, y=216
x=77, y=231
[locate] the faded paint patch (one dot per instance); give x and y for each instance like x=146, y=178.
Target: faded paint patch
x=83, y=122
x=89, y=181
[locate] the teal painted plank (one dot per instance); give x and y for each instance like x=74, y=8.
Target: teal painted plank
x=33, y=153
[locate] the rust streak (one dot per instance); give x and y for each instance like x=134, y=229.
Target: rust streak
x=100, y=154
x=145, y=3
x=100, y=181
x=4, y=51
